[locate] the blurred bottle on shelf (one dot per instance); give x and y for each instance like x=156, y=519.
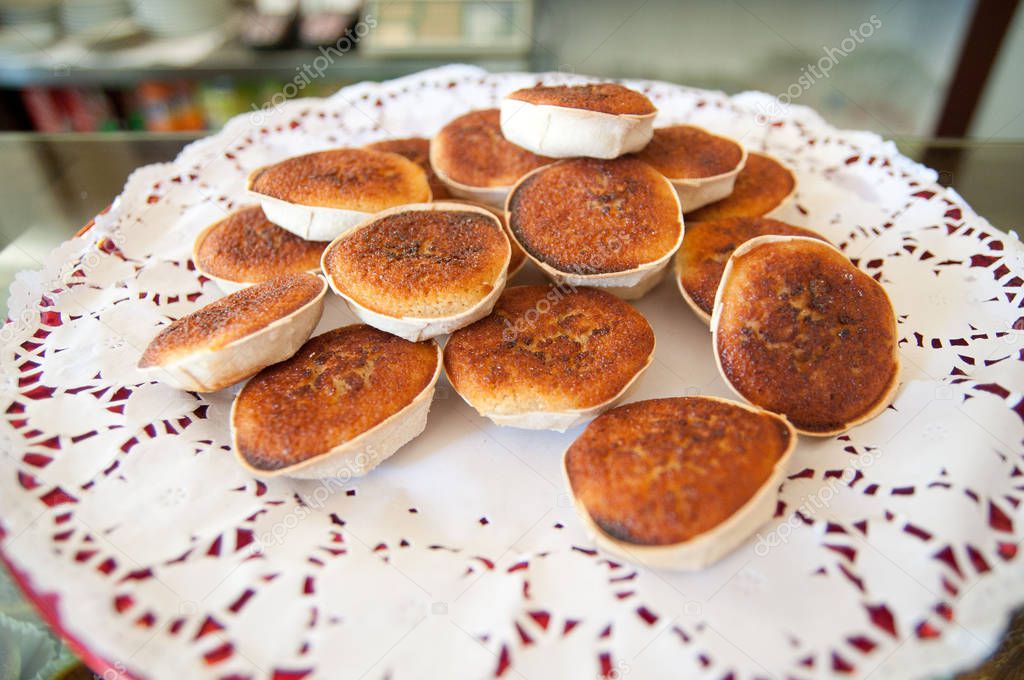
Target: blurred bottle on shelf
x=188, y=115
x=89, y=110
x=155, y=105
x=220, y=100
x=43, y=110
x=74, y=109
x=169, y=107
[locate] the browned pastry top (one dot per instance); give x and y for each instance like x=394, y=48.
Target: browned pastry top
x=518, y=255
x=248, y=248
x=805, y=333
x=689, y=152
x=350, y=179
x=549, y=349
x=707, y=247
x=232, y=317
x=336, y=387
x=416, y=149
x=761, y=186
x=600, y=97
x=665, y=471
x=420, y=263
x=590, y=216
x=471, y=150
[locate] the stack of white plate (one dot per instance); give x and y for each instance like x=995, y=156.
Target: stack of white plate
x=178, y=17
x=81, y=16
x=27, y=25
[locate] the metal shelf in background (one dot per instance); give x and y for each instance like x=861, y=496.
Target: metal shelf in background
x=234, y=61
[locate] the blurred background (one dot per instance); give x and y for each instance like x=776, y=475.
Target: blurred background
x=922, y=68
x=91, y=89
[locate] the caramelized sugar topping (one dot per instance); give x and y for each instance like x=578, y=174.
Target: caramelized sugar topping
x=248, y=248
x=420, y=262
x=600, y=97
x=417, y=150
x=805, y=333
x=336, y=387
x=590, y=216
x=688, y=152
x=351, y=179
x=707, y=247
x=665, y=471
x=549, y=349
x=232, y=317
x=471, y=150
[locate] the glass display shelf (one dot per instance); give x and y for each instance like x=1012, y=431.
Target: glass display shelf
x=233, y=61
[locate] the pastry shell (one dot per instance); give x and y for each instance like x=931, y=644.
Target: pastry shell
x=413, y=328
x=726, y=206
x=883, y=400
x=678, y=267
x=206, y=370
x=629, y=284
x=696, y=192
x=311, y=222
x=677, y=272
x=362, y=453
x=472, y=147
x=472, y=353
x=560, y=421
x=564, y=132
x=227, y=286
x=491, y=197
x=707, y=548
x=317, y=222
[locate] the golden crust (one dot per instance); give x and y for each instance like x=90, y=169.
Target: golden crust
x=664, y=471
x=518, y=254
x=547, y=349
x=689, y=152
x=420, y=263
x=471, y=150
x=803, y=332
x=707, y=247
x=232, y=317
x=246, y=247
x=337, y=386
x=349, y=179
x=598, y=97
x=590, y=216
x=761, y=186
x=416, y=149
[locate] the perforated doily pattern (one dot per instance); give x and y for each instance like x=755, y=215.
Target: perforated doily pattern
x=894, y=551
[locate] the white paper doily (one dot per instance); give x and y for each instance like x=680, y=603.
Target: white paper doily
x=894, y=552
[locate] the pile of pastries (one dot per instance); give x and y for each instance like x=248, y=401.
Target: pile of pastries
x=420, y=238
